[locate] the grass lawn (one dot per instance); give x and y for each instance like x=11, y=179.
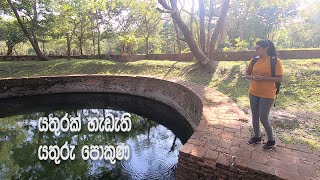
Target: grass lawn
x=295, y=117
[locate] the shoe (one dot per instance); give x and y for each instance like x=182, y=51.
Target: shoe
x=254, y=140
x=270, y=145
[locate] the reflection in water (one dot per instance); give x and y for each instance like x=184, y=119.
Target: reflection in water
x=153, y=148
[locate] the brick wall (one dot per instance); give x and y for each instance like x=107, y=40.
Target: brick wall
x=179, y=97
x=219, y=56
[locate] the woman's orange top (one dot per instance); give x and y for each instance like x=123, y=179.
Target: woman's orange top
x=264, y=89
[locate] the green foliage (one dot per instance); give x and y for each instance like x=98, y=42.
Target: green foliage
x=241, y=44
x=11, y=33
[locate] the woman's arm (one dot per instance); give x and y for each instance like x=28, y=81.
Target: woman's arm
x=249, y=77
x=248, y=74
x=260, y=77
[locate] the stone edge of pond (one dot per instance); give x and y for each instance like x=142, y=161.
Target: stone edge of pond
x=216, y=150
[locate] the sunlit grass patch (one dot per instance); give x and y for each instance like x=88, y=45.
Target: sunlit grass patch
x=300, y=137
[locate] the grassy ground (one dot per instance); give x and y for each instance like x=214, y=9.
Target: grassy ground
x=295, y=117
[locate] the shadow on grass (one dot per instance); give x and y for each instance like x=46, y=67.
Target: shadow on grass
x=201, y=75
x=170, y=69
x=234, y=84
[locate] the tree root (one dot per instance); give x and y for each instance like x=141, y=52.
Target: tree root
x=204, y=68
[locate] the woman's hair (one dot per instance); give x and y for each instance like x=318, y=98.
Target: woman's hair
x=267, y=43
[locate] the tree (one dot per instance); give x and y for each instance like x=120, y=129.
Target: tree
x=249, y=20
x=11, y=33
x=150, y=19
x=67, y=13
x=82, y=32
x=202, y=36
x=199, y=54
x=28, y=21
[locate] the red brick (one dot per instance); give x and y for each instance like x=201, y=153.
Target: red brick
x=236, y=142
x=306, y=156
x=260, y=157
x=247, y=147
x=231, y=130
x=211, y=154
x=234, y=149
x=198, y=151
x=225, y=144
x=223, y=161
x=288, y=175
x=238, y=134
x=241, y=164
x=205, y=136
x=197, y=142
x=282, y=151
x=306, y=162
x=196, y=135
x=212, y=144
x=245, y=134
x=317, y=165
x=244, y=154
x=280, y=143
x=285, y=157
x=307, y=170
x=317, y=152
x=252, y=164
x=202, y=125
x=223, y=150
x=230, y=118
x=217, y=126
x=227, y=136
x=187, y=148
x=216, y=132
x=236, y=124
x=283, y=165
x=215, y=138
x=299, y=147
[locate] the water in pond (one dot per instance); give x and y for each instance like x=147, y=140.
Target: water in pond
x=157, y=133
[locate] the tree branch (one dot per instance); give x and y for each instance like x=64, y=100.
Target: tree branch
x=165, y=5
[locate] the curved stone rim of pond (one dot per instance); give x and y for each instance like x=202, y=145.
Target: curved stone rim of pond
x=217, y=148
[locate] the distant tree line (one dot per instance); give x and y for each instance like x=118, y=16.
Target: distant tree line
x=95, y=27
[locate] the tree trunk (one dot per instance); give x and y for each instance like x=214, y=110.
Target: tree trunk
x=223, y=32
x=10, y=49
x=93, y=43
x=178, y=37
x=218, y=29
x=69, y=39
x=241, y=23
x=69, y=46
x=99, y=40
x=14, y=49
x=80, y=47
x=97, y=13
x=191, y=17
x=194, y=48
x=93, y=35
x=146, y=40
x=196, y=51
x=209, y=25
x=33, y=40
x=202, y=36
x=43, y=50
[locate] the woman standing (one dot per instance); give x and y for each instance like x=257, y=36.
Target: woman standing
x=262, y=91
